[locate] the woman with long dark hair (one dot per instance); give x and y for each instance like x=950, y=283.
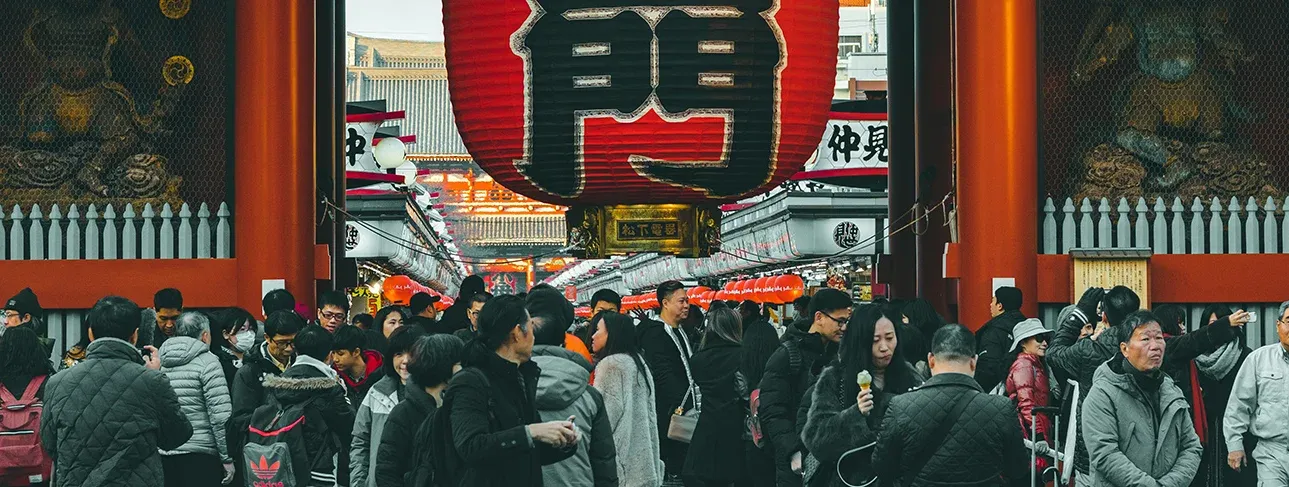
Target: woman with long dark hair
x=622, y=376
x=845, y=414
x=1216, y=373
x=716, y=450
x=24, y=366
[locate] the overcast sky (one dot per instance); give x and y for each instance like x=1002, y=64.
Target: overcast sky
x=396, y=19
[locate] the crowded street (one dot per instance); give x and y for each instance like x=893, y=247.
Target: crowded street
x=646, y=243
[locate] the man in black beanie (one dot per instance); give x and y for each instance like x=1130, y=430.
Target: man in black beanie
x=994, y=340
x=24, y=310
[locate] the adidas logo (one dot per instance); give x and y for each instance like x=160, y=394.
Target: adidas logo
x=265, y=470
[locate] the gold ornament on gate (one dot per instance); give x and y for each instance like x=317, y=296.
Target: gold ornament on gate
x=175, y=9
x=178, y=70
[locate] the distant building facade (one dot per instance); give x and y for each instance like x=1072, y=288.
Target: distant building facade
x=410, y=76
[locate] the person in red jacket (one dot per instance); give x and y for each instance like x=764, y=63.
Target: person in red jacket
x=1029, y=383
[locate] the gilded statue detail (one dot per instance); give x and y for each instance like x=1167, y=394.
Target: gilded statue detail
x=1175, y=120
x=80, y=126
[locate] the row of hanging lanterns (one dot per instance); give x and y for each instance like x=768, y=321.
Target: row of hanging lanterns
x=400, y=289
x=769, y=290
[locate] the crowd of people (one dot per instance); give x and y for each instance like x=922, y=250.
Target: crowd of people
x=514, y=390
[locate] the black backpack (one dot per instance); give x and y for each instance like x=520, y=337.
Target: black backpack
x=421, y=472
x=276, y=452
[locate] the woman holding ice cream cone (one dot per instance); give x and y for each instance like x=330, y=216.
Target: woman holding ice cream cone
x=850, y=398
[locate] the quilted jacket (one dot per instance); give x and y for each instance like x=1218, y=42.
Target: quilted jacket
x=106, y=418
x=369, y=425
x=198, y=379
x=1029, y=386
x=1132, y=445
x=983, y=448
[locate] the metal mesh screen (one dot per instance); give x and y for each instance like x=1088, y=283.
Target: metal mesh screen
x=1177, y=98
x=147, y=122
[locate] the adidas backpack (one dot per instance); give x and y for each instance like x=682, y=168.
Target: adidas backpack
x=22, y=460
x=276, y=454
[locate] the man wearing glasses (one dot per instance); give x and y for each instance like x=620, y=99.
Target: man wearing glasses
x=24, y=310
x=1257, y=407
x=793, y=369
x=333, y=310
x=270, y=359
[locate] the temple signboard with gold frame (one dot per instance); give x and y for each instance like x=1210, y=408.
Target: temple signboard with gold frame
x=1107, y=268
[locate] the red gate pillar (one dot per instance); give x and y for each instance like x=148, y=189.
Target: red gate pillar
x=997, y=97
x=274, y=144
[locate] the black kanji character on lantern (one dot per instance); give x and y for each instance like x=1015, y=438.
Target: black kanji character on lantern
x=351, y=237
x=876, y=144
x=585, y=60
x=355, y=145
x=843, y=140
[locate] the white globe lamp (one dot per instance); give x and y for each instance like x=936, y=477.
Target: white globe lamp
x=390, y=153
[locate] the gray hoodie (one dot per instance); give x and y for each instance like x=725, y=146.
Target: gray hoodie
x=563, y=391
x=1128, y=446
x=198, y=380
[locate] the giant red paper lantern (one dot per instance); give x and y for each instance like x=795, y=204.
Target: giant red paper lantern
x=677, y=105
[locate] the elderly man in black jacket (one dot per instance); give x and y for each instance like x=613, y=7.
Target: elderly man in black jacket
x=949, y=432
x=106, y=418
x=994, y=340
x=790, y=372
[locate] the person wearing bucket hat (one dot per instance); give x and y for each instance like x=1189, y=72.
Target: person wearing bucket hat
x=1029, y=383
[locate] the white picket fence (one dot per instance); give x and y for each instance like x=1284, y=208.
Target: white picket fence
x=1168, y=226
x=102, y=233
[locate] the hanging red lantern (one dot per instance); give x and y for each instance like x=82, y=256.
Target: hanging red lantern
x=398, y=289
x=792, y=287
x=759, y=288
x=696, y=294
x=645, y=117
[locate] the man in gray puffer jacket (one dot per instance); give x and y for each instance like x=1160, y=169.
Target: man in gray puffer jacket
x=1136, y=423
x=563, y=391
x=198, y=379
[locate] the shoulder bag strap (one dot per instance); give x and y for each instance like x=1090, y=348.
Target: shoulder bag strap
x=936, y=440
x=684, y=360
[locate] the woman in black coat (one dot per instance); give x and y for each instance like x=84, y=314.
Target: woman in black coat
x=1216, y=373
x=404, y=454
x=837, y=421
x=715, y=455
x=496, y=433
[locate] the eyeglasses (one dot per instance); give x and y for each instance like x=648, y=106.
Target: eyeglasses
x=11, y=314
x=288, y=343
x=332, y=316
x=841, y=321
